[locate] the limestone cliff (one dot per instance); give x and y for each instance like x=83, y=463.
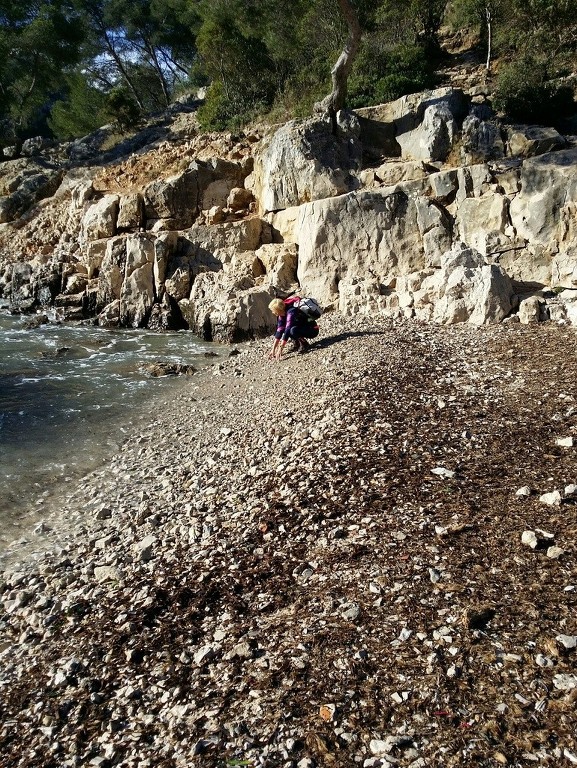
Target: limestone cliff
x=427, y=207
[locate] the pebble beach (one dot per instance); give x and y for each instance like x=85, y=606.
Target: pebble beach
x=363, y=555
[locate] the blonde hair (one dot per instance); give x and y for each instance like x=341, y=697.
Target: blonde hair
x=277, y=307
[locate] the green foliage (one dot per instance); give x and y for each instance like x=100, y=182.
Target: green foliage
x=428, y=15
x=214, y=114
x=400, y=70
x=525, y=93
x=80, y=112
x=239, y=66
x=258, y=56
x=37, y=41
x=123, y=109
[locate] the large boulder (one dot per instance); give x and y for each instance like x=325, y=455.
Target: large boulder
x=379, y=233
x=482, y=221
x=204, y=248
x=306, y=160
x=532, y=140
x=112, y=272
x=481, y=140
x=215, y=244
x=34, y=284
x=564, y=267
x=465, y=289
x=232, y=304
x=216, y=180
x=279, y=262
x=99, y=221
x=548, y=190
x=130, y=211
x=421, y=126
x=25, y=183
x=174, y=198
x=137, y=297
x=179, y=199
x=21, y=290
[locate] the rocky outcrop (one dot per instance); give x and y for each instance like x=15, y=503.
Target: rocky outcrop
x=421, y=126
x=465, y=289
x=232, y=304
x=25, y=183
x=304, y=161
x=427, y=207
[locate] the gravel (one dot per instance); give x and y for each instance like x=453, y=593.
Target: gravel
x=284, y=576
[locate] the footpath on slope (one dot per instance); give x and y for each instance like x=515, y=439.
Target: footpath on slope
x=318, y=562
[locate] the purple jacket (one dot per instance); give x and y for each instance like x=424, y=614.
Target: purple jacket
x=285, y=323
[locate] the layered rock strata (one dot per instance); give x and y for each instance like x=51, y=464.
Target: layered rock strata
x=374, y=217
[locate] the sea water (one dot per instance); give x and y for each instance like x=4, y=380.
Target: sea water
x=69, y=395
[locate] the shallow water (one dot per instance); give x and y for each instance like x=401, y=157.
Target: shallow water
x=69, y=395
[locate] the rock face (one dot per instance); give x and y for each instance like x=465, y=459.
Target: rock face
x=305, y=161
x=427, y=207
x=421, y=126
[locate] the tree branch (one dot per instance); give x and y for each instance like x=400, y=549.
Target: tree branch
x=336, y=100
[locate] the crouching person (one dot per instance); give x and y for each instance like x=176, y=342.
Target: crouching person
x=292, y=324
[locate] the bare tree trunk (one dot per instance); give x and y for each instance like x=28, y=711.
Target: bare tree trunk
x=122, y=69
x=337, y=99
x=489, y=19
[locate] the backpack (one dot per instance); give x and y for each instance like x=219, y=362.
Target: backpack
x=309, y=307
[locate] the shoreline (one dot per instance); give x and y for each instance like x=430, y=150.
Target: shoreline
x=284, y=579
x=37, y=482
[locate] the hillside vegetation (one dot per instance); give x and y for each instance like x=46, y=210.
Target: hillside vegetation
x=69, y=66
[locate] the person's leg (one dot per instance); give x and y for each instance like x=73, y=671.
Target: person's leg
x=294, y=335
x=306, y=331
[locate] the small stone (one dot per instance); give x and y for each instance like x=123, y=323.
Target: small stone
x=569, y=642
x=327, y=712
x=543, y=661
x=241, y=651
x=42, y=527
x=106, y=573
x=306, y=762
x=434, y=575
x=524, y=491
x=570, y=490
x=443, y=472
x=564, y=442
x=553, y=499
x=555, y=552
x=565, y=682
x=529, y=539
x=204, y=654
x=379, y=747
x=350, y=611
x=452, y=671
x=144, y=549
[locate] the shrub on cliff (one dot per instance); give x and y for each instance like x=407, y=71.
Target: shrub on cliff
x=123, y=109
x=80, y=112
x=525, y=93
x=379, y=78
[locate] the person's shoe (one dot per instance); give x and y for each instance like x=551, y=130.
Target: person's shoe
x=304, y=346
x=294, y=347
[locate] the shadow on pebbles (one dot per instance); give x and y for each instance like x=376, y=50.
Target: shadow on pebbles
x=364, y=555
